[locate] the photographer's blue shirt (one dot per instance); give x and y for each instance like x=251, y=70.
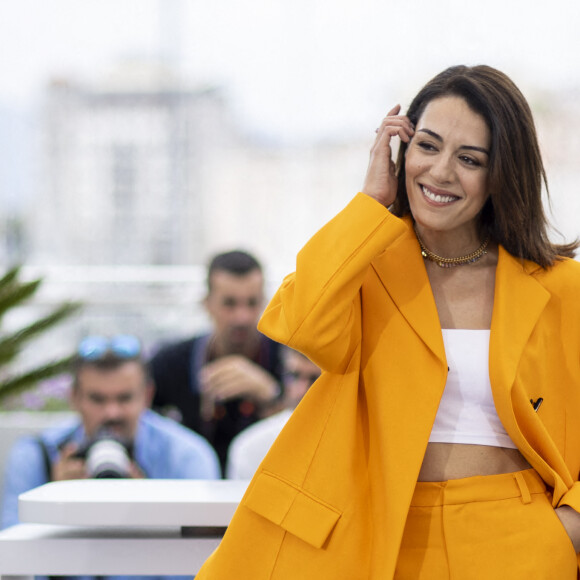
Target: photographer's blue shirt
x=163, y=449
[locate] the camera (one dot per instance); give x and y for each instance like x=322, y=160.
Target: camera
x=106, y=455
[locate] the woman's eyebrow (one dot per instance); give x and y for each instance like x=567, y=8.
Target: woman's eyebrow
x=439, y=138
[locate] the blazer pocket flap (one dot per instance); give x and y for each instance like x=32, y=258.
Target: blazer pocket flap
x=293, y=509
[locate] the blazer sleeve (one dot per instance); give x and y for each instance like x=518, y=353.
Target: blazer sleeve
x=317, y=309
x=572, y=497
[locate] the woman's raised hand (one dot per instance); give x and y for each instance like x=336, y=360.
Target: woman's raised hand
x=381, y=181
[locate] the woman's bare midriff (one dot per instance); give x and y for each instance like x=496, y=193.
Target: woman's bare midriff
x=445, y=461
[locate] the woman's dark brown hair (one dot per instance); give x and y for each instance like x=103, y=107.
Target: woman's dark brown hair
x=514, y=213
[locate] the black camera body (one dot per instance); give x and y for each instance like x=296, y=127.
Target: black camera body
x=106, y=455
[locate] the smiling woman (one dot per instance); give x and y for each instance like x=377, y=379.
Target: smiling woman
x=514, y=214
x=431, y=303
x=447, y=168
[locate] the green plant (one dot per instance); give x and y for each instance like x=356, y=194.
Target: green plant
x=13, y=294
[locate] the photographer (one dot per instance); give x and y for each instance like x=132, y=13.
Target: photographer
x=115, y=434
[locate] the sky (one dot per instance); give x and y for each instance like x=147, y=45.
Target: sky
x=293, y=69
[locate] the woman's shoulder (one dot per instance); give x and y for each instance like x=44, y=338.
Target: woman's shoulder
x=564, y=273
x=565, y=267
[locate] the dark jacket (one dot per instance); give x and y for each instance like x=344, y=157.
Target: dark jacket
x=175, y=369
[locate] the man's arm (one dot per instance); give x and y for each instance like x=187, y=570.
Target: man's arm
x=25, y=469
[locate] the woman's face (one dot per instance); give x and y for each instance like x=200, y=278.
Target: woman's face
x=446, y=166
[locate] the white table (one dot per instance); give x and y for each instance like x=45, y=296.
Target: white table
x=105, y=527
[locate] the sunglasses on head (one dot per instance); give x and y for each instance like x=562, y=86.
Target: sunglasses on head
x=121, y=346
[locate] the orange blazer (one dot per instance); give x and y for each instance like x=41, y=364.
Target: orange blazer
x=330, y=499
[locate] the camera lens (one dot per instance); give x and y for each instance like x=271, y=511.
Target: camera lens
x=108, y=458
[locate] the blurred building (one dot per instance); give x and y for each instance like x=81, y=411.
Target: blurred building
x=140, y=169
x=121, y=176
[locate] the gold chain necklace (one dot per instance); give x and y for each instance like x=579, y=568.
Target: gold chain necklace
x=451, y=262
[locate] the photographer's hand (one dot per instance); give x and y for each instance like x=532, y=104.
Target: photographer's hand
x=135, y=472
x=68, y=466
x=234, y=376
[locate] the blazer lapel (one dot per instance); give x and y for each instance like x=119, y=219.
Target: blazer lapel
x=410, y=290
x=518, y=302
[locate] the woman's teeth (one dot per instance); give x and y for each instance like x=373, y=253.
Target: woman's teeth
x=437, y=198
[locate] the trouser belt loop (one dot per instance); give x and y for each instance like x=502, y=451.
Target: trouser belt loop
x=523, y=487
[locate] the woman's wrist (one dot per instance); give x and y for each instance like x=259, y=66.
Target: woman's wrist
x=570, y=519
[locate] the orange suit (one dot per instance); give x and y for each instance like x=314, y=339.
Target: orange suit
x=330, y=499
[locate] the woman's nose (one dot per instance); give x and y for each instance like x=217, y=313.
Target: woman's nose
x=442, y=169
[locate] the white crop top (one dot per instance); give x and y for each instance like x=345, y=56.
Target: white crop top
x=467, y=412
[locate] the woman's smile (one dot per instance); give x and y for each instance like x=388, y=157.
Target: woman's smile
x=436, y=196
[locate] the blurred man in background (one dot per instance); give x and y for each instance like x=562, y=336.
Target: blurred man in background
x=114, y=435
x=249, y=447
x=223, y=381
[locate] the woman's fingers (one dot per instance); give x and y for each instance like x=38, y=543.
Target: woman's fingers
x=380, y=181
x=394, y=111
x=395, y=125
x=387, y=132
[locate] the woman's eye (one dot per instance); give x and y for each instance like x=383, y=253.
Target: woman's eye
x=427, y=146
x=470, y=160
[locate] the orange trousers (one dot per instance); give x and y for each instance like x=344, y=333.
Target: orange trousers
x=492, y=527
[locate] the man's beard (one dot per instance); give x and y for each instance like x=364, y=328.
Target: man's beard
x=117, y=427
